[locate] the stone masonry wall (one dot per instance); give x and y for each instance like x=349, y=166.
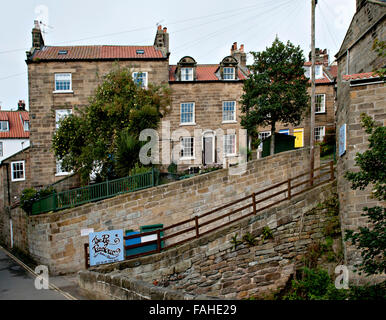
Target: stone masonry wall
x=211, y=266
x=371, y=99
x=54, y=238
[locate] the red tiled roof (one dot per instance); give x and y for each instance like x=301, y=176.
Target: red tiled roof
x=205, y=72
x=309, y=63
x=97, y=52
x=360, y=76
x=334, y=71
x=15, y=124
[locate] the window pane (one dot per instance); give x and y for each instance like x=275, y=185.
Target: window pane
x=229, y=144
x=320, y=103
x=62, y=81
x=17, y=170
x=1, y=149
x=229, y=73
x=229, y=111
x=3, y=125
x=187, y=110
x=186, y=74
x=187, y=147
x=140, y=78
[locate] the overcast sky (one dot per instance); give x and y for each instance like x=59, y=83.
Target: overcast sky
x=203, y=29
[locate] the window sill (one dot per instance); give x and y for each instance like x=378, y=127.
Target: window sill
x=321, y=112
x=62, y=91
x=188, y=124
x=230, y=155
x=17, y=180
x=187, y=158
x=229, y=122
x=62, y=174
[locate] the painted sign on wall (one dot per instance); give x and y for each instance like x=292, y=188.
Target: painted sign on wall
x=106, y=247
x=342, y=140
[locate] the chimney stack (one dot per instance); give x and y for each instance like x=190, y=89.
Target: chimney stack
x=161, y=40
x=37, y=37
x=321, y=57
x=239, y=55
x=21, y=105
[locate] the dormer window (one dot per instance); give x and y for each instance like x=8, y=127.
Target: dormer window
x=186, y=74
x=228, y=68
x=318, y=71
x=186, y=69
x=4, y=126
x=229, y=73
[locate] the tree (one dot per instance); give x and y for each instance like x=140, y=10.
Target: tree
x=106, y=133
x=276, y=90
x=372, y=164
x=380, y=48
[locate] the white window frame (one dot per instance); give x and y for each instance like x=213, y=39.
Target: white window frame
x=26, y=124
x=284, y=131
x=188, y=74
x=307, y=72
x=226, y=137
x=13, y=171
x=61, y=172
x=319, y=71
x=135, y=75
x=1, y=148
x=225, y=112
x=323, y=104
x=320, y=131
x=183, y=147
x=1, y=126
x=233, y=74
x=63, y=74
x=263, y=135
x=58, y=117
x=193, y=122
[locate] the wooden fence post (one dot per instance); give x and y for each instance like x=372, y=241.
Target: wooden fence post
x=254, y=203
x=158, y=241
x=197, y=230
x=332, y=170
x=289, y=188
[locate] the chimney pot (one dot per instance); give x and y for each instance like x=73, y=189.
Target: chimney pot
x=165, y=29
x=242, y=48
x=159, y=27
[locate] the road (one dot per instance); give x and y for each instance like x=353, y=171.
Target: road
x=16, y=283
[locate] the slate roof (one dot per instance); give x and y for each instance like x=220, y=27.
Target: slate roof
x=15, y=124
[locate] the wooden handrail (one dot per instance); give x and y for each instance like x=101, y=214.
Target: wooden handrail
x=290, y=185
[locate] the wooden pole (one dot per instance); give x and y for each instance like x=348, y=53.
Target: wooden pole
x=312, y=124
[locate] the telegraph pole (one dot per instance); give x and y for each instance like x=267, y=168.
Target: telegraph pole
x=312, y=124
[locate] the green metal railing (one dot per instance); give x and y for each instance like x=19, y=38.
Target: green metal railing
x=95, y=192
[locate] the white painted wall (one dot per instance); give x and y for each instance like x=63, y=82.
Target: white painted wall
x=12, y=146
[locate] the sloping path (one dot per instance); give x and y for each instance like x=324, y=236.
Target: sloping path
x=17, y=282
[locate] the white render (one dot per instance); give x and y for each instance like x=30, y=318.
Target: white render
x=12, y=146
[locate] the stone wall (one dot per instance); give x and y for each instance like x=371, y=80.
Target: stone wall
x=54, y=238
x=212, y=266
x=370, y=99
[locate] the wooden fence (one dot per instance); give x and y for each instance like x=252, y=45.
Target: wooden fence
x=199, y=225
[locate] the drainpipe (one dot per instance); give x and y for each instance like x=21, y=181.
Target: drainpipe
x=348, y=62
x=9, y=205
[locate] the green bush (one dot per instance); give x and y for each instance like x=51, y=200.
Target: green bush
x=30, y=195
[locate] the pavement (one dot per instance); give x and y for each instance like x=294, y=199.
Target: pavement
x=17, y=282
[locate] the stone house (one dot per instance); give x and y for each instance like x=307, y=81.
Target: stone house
x=359, y=90
x=325, y=83
x=14, y=131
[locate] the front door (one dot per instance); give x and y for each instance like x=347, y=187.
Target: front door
x=208, y=150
